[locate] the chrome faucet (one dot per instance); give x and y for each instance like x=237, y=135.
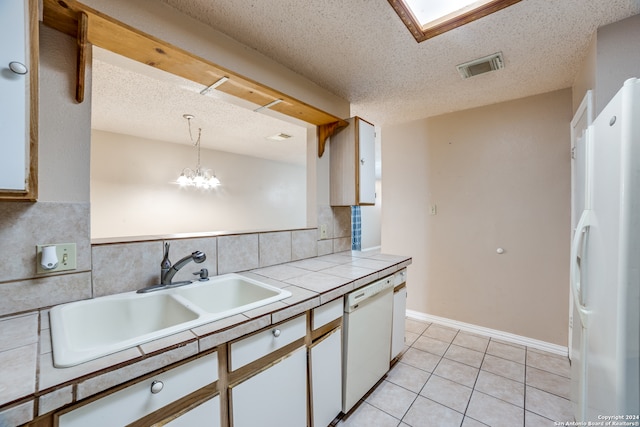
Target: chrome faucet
x=168, y=270
x=196, y=257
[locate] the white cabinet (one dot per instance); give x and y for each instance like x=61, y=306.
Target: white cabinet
x=325, y=358
x=206, y=414
x=18, y=102
x=399, y=312
x=399, y=309
x=353, y=177
x=273, y=391
x=274, y=397
x=141, y=399
x=267, y=341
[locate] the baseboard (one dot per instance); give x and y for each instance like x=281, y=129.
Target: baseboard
x=493, y=333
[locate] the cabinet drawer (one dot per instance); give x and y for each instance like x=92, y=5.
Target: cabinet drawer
x=327, y=313
x=258, y=345
x=136, y=401
x=206, y=414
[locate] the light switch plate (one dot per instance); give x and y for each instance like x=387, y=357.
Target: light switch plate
x=66, y=253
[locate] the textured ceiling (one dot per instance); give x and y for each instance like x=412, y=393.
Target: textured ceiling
x=359, y=50
x=134, y=99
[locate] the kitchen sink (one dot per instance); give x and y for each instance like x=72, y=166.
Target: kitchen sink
x=89, y=329
x=230, y=293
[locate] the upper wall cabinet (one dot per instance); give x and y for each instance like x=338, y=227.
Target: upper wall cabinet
x=19, y=99
x=353, y=176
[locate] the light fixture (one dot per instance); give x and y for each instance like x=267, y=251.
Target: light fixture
x=199, y=177
x=214, y=85
x=269, y=105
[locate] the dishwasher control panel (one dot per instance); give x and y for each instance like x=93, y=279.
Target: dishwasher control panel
x=368, y=291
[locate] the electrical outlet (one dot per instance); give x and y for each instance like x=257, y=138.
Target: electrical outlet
x=66, y=253
x=434, y=209
x=323, y=231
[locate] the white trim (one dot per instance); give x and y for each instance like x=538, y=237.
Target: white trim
x=373, y=248
x=493, y=333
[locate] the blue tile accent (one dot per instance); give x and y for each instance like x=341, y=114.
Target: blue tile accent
x=356, y=229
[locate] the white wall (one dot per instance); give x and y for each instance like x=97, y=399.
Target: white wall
x=371, y=217
x=132, y=192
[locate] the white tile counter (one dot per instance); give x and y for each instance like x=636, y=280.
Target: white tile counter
x=31, y=386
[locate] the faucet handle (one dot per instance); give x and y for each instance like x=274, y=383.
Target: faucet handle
x=203, y=273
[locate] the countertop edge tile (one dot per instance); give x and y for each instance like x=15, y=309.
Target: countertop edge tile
x=97, y=375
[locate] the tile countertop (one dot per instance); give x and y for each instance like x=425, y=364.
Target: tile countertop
x=27, y=374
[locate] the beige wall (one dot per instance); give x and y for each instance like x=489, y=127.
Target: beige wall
x=610, y=60
x=500, y=177
x=371, y=221
x=132, y=194
x=586, y=78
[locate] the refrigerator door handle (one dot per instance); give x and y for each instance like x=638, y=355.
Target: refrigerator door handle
x=574, y=270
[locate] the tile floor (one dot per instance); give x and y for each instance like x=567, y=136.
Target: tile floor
x=448, y=377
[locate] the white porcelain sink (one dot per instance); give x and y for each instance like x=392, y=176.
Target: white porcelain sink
x=229, y=293
x=85, y=330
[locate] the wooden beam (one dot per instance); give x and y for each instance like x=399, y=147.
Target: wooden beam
x=108, y=33
x=327, y=130
x=83, y=46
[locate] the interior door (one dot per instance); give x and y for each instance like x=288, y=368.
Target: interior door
x=581, y=121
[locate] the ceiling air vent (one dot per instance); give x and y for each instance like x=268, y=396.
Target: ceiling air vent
x=481, y=65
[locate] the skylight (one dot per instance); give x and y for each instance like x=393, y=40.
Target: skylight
x=429, y=18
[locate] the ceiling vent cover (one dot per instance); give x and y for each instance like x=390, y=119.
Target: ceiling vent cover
x=481, y=65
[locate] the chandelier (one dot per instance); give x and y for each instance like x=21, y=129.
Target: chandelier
x=199, y=177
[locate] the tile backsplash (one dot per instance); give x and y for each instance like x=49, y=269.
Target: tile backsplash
x=105, y=269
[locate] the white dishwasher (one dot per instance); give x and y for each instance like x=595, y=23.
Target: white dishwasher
x=367, y=339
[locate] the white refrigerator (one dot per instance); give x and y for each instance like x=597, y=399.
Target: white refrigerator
x=605, y=267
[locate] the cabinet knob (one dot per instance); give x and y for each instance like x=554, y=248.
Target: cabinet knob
x=18, y=67
x=156, y=386
x=276, y=333
x=362, y=161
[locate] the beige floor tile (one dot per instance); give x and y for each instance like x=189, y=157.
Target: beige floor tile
x=470, y=422
x=535, y=420
x=549, y=362
x=392, y=399
x=503, y=388
x=368, y=416
x=503, y=367
x=512, y=344
x=407, y=376
x=441, y=333
x=456, y=371
x=426, y=413
x=472, y=341
x=431, y=345
x=548, y=405
x=410, y=337
x=420, y=359
x=464, y=355
x=447, y=393
x=494, y=412
x=506, y=351
x=415, y=326
x=546, y=381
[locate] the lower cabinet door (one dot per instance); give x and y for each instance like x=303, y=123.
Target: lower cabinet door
x=399, y=313
x=206, y=414
x=326, y=379
x=275, y=397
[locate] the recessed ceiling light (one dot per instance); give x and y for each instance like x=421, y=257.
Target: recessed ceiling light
x=279, y=137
